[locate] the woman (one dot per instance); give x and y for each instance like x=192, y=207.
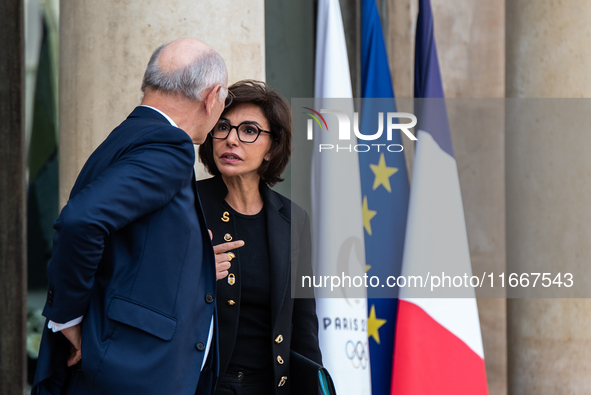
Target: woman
x=259, y=321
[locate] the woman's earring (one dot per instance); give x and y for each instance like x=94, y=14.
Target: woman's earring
x=267, y=158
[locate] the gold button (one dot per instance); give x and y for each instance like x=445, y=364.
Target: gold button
x=228, y=237
x=282, y=381
x=226, y=216
x=231, y=279
x=279, y=359
x=231, y=302
x=278, y=339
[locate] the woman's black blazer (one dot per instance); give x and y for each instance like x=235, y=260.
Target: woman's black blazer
x=294, y=321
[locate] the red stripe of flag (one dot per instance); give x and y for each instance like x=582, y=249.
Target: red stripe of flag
x=429, y=359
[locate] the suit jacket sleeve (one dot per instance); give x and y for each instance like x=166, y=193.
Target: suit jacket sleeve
x=305, y=322
x=143, y=179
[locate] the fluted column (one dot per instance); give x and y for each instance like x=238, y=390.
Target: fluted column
x=548, y=56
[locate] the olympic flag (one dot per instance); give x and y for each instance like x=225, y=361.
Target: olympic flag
x=336, y=217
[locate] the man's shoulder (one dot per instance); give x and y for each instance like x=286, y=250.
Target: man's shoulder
x=136, y=136
x=143, y=126
x=148, y=124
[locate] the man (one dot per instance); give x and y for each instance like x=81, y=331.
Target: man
x=130, y=305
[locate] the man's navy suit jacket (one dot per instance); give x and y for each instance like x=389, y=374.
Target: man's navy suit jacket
x=131, y=253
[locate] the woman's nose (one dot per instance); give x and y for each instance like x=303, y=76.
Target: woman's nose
x=233, y=137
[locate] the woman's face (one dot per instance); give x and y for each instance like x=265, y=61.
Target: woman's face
x=234, y=157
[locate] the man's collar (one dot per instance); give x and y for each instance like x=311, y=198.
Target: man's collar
x=169, y=119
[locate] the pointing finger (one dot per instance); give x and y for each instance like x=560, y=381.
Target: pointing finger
x=220, y=248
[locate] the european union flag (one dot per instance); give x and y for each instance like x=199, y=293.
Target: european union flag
x=385, y=192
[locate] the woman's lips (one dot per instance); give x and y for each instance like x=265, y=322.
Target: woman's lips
x=230, y=157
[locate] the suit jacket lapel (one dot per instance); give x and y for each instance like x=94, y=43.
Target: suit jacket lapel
x=278, y=237
x=200, y=215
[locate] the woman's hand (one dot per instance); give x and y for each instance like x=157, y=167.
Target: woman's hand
x=223, y=257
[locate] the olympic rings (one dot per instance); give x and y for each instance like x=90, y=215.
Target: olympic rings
x=356, y=353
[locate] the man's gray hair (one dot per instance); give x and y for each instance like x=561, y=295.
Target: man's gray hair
x=192, y=81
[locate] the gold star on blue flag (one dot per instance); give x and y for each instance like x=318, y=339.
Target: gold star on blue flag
x=373, y=325
x=382, y=174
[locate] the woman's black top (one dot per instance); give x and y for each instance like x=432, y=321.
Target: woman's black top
x=252, y=350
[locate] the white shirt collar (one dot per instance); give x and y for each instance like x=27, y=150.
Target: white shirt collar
x=163, y=114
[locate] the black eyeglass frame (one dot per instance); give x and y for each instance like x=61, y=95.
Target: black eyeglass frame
x=238, y=134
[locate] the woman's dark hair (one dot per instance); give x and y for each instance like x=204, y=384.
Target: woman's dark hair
x=278, y=114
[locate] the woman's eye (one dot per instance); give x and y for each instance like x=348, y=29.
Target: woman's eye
x=222, y=127
x=250, y=130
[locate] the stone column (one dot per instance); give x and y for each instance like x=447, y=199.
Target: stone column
x=105, y=47
x=13, y=264
x=470, y=40
x=399, y=36
x=548, y=56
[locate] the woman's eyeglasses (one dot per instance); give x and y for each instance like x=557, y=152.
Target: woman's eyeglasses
x=247, y=132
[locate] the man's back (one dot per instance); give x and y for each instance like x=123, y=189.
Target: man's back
x=132, y=255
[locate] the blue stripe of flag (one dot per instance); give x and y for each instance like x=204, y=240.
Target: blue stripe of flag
x=431, y=113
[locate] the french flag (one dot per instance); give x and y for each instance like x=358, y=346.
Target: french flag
x=438, y=347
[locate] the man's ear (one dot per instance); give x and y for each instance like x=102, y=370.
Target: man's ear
x=211, y=98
